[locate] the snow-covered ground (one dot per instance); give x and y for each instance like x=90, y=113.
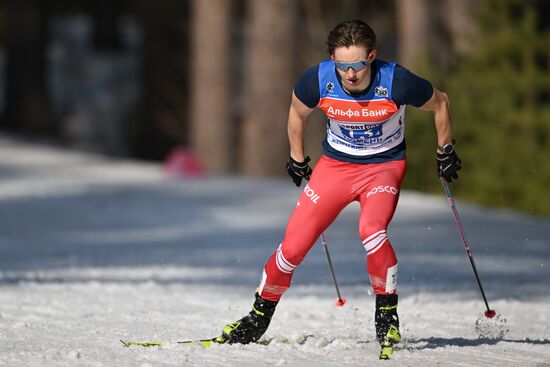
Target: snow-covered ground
x=94, y=250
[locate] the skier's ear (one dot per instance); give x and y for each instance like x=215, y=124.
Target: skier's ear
x=371, y=55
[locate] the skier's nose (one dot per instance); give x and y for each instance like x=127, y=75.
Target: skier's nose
x=350, y=73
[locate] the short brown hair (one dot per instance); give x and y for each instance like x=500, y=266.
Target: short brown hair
x=351, y=33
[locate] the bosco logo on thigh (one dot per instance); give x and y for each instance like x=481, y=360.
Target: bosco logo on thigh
x=380, y=189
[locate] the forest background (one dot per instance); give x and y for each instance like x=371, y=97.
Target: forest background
x=141, y=79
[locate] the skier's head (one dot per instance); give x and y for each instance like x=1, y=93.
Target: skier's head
x=351, y=33
x=352, y=48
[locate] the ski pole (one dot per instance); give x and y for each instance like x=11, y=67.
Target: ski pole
x=489, y=313
x=341, y=300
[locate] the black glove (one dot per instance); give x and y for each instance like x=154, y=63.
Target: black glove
x=448, y=164
x=298, y=170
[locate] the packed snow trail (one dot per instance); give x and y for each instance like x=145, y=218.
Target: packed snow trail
x=94, y=250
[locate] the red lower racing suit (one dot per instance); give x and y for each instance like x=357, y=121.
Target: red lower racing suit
x=334, y=185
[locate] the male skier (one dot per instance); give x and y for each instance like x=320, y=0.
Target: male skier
x=363, y=160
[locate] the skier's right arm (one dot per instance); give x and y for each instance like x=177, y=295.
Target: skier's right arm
x=297, y=122
x=297, y=165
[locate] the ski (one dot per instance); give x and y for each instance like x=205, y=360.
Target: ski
x=128, y=343
x=387, y=351
x=388, y=344
x=204, y=343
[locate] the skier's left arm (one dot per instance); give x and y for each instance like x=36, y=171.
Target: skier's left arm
x=410, y=89
x=439, y=105
x=448, y=162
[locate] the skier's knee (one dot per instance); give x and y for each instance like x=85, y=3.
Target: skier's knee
x=370, y=227
x=283, y=261
x=373, y=239
x=288, y=258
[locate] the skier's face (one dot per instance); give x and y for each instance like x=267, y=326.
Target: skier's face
x=353, y=65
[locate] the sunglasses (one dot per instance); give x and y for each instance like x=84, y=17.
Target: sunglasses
x=356, y=65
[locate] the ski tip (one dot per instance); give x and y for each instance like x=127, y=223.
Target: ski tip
x=128, y=343
x=386, y=352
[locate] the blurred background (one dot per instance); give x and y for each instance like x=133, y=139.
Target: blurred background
x=213, y=78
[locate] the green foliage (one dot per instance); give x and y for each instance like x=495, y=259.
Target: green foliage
x=500, y=94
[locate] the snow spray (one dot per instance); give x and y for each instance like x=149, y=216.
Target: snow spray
x=494, y=328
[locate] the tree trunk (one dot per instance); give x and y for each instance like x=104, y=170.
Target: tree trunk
x=414, y=31
x=27, y=102
x=164, y=107
x=212, y=137
x=269, y=74
x=461, y=24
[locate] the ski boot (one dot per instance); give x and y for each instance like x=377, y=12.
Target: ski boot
x=250, y=328
x=386, y=322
